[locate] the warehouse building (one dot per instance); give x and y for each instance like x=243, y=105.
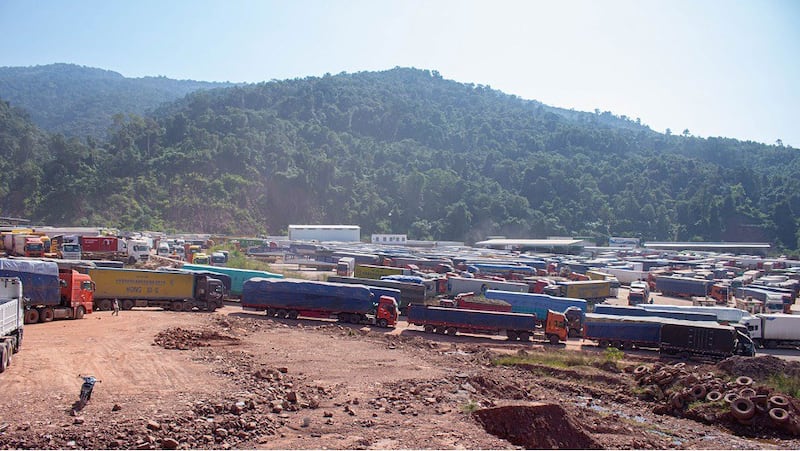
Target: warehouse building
x=342, y=233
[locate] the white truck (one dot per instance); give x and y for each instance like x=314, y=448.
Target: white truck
x=771, y=330
x=12, y=316
x=458, y=285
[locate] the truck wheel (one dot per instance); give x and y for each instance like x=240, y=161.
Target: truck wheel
x=127, y=304
x=383, y=323
x=293, y=314
x=270, y=312
x=743, y=408
x=778, y=401
x=176, y=306
x=211, y=307
x=104, y=304
x=80, y=312
x=441, y=330
x=31, y=316
x=512, y=335
x=573, y=333
x=187, y=306
x=744, y=381
x=451, y=331
x=9, y=352
x=46, y=315
x=3, y=360
x=778, y=415
x=281, y=313
x=524, y=336
x=428, y=329
x=553, y=339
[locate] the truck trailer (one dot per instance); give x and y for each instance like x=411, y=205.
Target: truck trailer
x=12, y=312
x=149, y=288
x=773, y=330
x=515, y=326
x=539, y=304
x=458, y=285
x=683, y=287
x=291, y=298
x=618, y=310
x=410, y=293
x=238, y=276
x=591, y=290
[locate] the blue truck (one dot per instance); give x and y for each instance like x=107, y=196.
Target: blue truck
x=290, y=298
x=619, y=310
x=450, y=321
x=539, y=304
x=682, y=287
x=410, y=293
x=669, y=336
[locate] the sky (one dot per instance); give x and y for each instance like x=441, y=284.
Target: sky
x=726, y=68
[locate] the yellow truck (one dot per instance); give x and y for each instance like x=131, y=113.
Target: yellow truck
x=376, y=272
x=177, y=291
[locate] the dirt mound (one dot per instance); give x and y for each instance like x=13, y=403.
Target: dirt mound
x=183, y=339
x=759, y=368
x=535, y=426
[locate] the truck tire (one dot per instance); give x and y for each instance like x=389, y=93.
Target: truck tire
x=79, y=312
x=743, y=408
x=744, y=381
x=270, y=312
x=211, y=306
x=512, y=335
x=46, y=315
x=778, y=401
x=281, y=313
x=553, y=339
x=31, y=316
x=176, y=306
x=452, y=331
x=778, y=415
x=713, y=396
x=699, y=391
x=293, y=314
x=428, y=329
x=524, y=336
x=127, y=304
x=9, y=353
x=3, y=359
x=383, y=323
x=104, y=304
x=188, y=306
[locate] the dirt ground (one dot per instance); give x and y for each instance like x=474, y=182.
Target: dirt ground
x=237, y=380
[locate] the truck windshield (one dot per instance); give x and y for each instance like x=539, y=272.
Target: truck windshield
x=35, y=247
x=72, y=248
x=141, y=248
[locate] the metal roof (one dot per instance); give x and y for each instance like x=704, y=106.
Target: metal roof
x=702, y=245
x=529, y=243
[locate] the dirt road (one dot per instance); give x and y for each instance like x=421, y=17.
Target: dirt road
x=233, y=379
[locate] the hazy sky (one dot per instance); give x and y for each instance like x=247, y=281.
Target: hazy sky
x=716, y=67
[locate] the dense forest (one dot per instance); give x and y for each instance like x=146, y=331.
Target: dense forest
x=399, y=151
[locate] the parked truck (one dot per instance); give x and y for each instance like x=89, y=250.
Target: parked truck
x=621, y=310
x=346, y=267
x=291, y=298
x=12, y=312
x=773, y=330
x=725, y=315
x=591, y=290
x=669, y=336
x=48, y=292
x=410, y=293
x=639, y=293
x=457, y=285
x=470, y=301
x=683, y=287
x=25, y=245
x=515, y=326
x=540, y=304
x=148, y=288
x=238, y=276
x=365, y=271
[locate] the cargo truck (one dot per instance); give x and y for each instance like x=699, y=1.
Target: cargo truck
x=725, y=315
x=11, y=319
x=669, y=336
x=50, y=293
x=540, y=304
x=591, y=290
x=410, y=293
x=291, y=298
x=25, y=245
x=364, y=271
x=346, y=267
x=457, y=285
x=471, y=302
x=148, y=288
x=515, y=326
x=621, y=310
x=772, y=330
x=683, y=287
x=224, y=278
x=238, y=276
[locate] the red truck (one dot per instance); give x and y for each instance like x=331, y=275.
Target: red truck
x=103, y=248
x=77, y=294
x=469, y=301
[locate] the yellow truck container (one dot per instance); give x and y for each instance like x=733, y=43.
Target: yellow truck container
x=147, y=288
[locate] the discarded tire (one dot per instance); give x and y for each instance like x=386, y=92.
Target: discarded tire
x=698, y=391
x=744, y=381
x=747, y=393
x=713, y=396
x=778, y=415
x=730, y=397
x=677, y=401
x=779, y=401
x=641, y=370
x=743, y=408
x=679, y=365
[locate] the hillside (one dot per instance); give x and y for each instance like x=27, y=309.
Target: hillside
x=405, y=151
x=81, y=101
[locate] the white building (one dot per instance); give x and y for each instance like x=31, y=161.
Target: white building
x=387, y=238
x=345, y=233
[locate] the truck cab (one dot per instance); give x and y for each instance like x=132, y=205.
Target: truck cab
x=201, y=258
x=77, y=294
x=70, y=251
x=138, y=251
x=387, y=312
x=34, y=247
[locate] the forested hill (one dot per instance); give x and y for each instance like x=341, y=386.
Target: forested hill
x=81, y=101
x=405, y=151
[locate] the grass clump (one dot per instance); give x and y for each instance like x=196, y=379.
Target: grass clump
x=555, y=360
x=469, y=407
x=784, y=383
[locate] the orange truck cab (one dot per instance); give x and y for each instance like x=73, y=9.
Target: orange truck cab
x=555, y=326
x=34, y=247
x=721, y=293
x=387, y=312
x=77, y=294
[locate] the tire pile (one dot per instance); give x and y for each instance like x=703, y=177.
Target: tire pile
x=740, y=404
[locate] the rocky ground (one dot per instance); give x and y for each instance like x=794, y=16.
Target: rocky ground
x=234, y=380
